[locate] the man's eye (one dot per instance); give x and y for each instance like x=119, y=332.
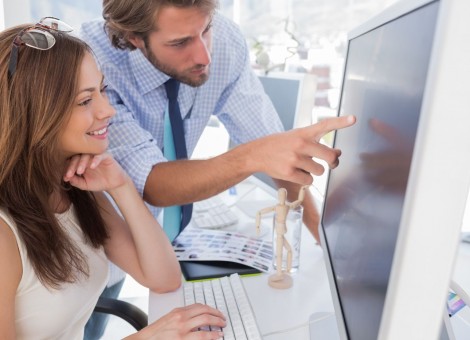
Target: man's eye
x=179, y=44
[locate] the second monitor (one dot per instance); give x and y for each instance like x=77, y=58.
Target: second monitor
x=293, y=97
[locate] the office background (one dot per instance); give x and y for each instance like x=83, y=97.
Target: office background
x=296, y=35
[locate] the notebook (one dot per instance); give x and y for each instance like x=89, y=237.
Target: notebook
x=203, y=270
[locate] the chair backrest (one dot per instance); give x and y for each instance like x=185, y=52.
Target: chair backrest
x=125, y=310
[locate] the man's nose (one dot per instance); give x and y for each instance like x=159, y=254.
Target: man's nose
x=202, y=54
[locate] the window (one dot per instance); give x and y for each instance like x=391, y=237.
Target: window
x=302, y=36
x=74, y=12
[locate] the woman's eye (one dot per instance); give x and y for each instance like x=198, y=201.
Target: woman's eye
x=104, y=88
x=208, y=28
x=85, y=102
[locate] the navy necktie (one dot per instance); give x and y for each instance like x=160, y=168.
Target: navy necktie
x=177, y=128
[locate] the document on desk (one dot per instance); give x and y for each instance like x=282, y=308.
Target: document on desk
x=195, y=244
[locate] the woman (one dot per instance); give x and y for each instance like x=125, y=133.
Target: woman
x=57, y=227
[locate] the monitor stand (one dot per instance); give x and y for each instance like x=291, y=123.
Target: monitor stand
x=323, y=326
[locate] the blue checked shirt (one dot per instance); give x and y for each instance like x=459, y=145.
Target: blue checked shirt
x=136, y=89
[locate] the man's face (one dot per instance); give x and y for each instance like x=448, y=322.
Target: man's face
x=180, y=46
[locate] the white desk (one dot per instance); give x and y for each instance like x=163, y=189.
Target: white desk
x=274, y=309
x=284, y=309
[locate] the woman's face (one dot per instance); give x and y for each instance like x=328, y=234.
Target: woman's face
x=87, y=130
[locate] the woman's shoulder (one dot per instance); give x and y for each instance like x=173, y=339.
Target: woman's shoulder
x=10, y=258
x=7, y=225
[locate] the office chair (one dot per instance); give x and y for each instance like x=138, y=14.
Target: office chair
x=125, y=310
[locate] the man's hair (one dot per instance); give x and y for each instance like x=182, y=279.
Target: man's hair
x=35, y=106
x=124, y=18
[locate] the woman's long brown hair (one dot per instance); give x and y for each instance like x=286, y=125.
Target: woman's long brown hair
x=35, y=105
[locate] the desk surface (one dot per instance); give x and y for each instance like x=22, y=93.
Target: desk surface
x=289, y=310
x=310, y=293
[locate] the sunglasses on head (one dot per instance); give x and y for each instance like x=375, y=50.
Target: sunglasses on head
x=37, y=36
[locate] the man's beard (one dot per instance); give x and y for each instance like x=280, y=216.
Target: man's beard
x=175, y=74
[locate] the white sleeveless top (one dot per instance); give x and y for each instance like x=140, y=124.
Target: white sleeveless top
x=45, y=313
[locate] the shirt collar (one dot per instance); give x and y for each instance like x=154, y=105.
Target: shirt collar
x=146, y=75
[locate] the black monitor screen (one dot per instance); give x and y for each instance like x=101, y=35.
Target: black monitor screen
x=384, y=82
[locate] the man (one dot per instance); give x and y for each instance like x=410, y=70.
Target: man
x=143, y=43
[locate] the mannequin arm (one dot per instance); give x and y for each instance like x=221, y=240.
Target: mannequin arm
x=258, y=217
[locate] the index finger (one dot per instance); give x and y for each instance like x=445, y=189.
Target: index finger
x=330, y=124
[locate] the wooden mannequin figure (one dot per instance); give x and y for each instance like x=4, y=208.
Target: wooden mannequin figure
x=281, y=279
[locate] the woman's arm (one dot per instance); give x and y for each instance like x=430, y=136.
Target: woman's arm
x=139, y=246
x=137, y=243
x=11, y=269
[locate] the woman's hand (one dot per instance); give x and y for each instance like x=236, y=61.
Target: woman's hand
x=95, y=172
x=184, y=323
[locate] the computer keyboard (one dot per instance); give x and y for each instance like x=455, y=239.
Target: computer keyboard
x=213, y=213
x=228, y=295
x=207, y=204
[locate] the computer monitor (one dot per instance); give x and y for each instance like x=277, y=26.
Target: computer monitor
x=293, y=97
x=393, y=208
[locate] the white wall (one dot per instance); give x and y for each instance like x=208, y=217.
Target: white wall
x=2, y=16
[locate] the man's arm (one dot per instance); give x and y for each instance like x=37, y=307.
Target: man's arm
x=287, y=156
x=186, y=181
